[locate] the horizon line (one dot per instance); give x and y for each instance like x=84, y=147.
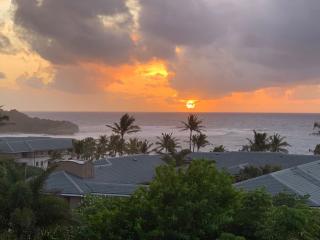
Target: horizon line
x=189, y=112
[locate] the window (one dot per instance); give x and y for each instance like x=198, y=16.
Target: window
x=41, y=163
x=37, y=164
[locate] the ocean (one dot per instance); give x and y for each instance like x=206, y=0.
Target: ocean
x=229, y=129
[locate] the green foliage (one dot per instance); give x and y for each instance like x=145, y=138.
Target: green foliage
x=176, y=159
x=261, y=142
x=277, y=143
x=24, y=210
x=230, y=236
x=219, y=148
x=249, y=172
x=167, y=143
x=136, y=146
x=125, y=126
x=199, y=141
x=196, y=202
x=192, y=203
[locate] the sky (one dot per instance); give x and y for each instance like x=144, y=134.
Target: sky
x=151, y=55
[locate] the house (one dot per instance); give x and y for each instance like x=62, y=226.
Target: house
x=121, y=176
x=233, y=162
x=303, y=180
x=34, y=151
x=113, y=177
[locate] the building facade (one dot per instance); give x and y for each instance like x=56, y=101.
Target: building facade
x=35, y=151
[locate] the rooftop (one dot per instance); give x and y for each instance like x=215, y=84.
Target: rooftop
x=234, y=161
x=123, y=175
x=114, y=176
x=10, y=145
x=302, y=180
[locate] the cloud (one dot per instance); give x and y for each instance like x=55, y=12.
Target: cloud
x=236, y=45
x=85, y=79
x=70, y=31
x=30, y=81
x=2, y=76
x=5, y=45
x=226, y=45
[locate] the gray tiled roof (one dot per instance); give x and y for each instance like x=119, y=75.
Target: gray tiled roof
x=302, y=180
x=122, y=175
x=234, y=161
x=113, y=176
x=136, y=169
x=31, y=144
x=69, y=185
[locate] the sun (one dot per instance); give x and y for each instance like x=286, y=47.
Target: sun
x=190, y=104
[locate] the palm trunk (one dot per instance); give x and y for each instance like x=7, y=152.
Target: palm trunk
x=190, y=140
x=121, y=147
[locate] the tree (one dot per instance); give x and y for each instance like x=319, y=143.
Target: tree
x=145, y=147
x=132, y=146
x=259, y=143
x=125, y=126
x=115, y=145
x=102, y=146
x=25, y=211
x=250, y=171
x=219, y=148
x=78, y=148
x=277, y=143
x=167, y=143
x=177, y=159
x=89, y=149
x=193, y=124
x=197, y=202
x=199, y=141
x=186, y=203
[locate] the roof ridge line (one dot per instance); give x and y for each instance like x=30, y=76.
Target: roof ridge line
x=73, y=182
x=274, y=175
x=26, y=142
x=11, y=148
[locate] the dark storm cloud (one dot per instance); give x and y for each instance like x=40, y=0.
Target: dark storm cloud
x=69, y=31
x=233, y=45
x=228, y=45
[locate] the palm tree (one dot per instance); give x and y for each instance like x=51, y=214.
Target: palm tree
x=26, y=211
x=125, y=126
x=132, y=146
x=167, y=143
x=136, y=146
x=193, y=124
x=199, y=141
x=102, y=146
x=258, y=144
x=219, y=148
x=115, y=145
x=145, y=147
x=89, y=149
x=178, y=159
x=277, y=143
x=78, y=148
